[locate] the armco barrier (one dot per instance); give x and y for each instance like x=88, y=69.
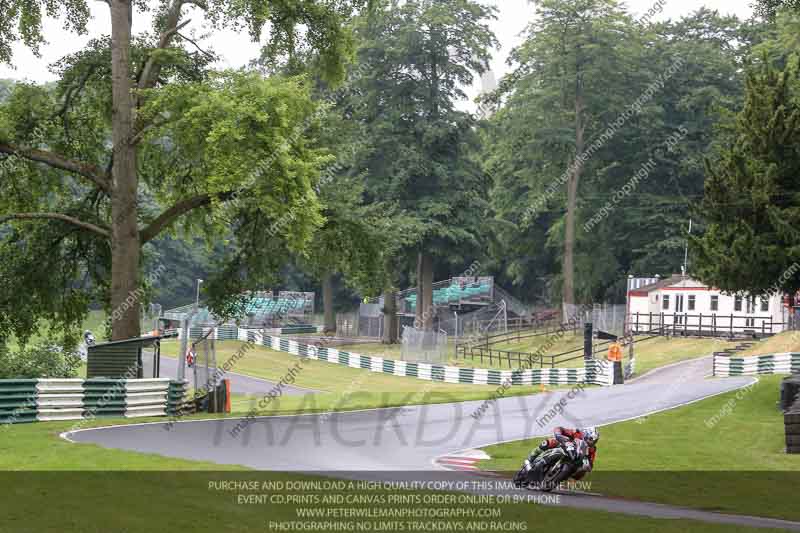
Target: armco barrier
x=17, y=400
x=30, y=400
x=779, y=363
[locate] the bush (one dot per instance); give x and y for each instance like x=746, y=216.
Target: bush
x=40, y=361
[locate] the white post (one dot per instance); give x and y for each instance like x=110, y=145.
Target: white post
x=184, y=346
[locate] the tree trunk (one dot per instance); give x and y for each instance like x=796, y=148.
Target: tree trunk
x=568, y=294
x=327, y=304
x=420, y=292
x=125, y=245
x=427, y=288
x=389, y=317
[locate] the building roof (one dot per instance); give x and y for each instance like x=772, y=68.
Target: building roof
x=666, y=282
x=143, y=341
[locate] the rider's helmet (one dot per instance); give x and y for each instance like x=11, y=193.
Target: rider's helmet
x=591, y=435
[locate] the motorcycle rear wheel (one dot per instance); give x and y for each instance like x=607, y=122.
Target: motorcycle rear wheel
x=552, y=480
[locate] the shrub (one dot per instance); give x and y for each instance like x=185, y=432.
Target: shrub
x=39, y=361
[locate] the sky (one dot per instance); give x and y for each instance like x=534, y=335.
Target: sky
x=237, y=50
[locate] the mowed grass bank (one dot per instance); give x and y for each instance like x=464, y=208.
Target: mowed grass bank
x=94, y=322
x=341, y=387
x=650, y=352
x=724, y=453
x=788, y=341
x=181, y=501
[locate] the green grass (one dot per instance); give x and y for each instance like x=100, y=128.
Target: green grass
x=674, y=457
x=171, y=501
x=94, y=321
x=37, y=446
x=662, y=351
x=788, y=341
x=343, y=388
x=132, y=492
x=651, y=353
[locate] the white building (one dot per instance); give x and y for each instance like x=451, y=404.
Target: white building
x=682, y=305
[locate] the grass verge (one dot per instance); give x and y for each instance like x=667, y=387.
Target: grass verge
x=170, y=501
x=725, y=454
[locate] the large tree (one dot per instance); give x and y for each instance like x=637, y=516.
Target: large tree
x=769, y=8
x=135, y=117
x=752, y=195
x=415, y=60
x=653, y=92
x=575, y=69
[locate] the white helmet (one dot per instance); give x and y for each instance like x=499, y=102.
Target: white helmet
x=591, y=435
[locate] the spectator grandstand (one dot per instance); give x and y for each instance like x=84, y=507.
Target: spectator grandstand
x=472, y=291
x=263, y=308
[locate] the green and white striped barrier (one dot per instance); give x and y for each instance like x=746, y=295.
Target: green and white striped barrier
x=231, y=332
x=595, y=373
x=30, y=400
x=779, y=363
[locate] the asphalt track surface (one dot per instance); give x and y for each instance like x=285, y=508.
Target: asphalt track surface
x=384, y=443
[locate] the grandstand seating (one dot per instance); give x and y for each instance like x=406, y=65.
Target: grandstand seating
x=269, y=306
x=454, y=293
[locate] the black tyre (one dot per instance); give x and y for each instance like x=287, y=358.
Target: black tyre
x=791, y=418
x=792, y=429
x=554, y=477
x=793, y=449
x=519, y=477
x=792, y=440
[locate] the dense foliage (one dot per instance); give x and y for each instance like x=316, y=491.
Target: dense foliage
x=39, y=361
x=346, y=163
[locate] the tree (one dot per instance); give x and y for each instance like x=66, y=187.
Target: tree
x=751, y=207
x=415, y=58
x=574, y=72
x=769, y=8
x=347, y=243
x=653, y=93
x=187, y=137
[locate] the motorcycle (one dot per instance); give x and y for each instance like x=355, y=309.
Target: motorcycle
x=553, y=467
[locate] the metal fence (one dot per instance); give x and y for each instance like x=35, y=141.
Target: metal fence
x=204, y=354
x=704, y=325
x=424, y=346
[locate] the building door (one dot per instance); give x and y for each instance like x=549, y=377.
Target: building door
x=750, y=321
x=679, y=309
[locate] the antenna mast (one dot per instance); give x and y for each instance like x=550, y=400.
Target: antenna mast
x=685, y=266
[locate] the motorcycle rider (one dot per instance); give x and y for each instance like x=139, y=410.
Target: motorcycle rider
x=590, y=435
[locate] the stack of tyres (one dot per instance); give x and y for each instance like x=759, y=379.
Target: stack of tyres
x=790, y=392
x=791, y=421
x=791, y=417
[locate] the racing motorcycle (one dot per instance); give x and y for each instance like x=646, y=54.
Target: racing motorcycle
x=553, y=466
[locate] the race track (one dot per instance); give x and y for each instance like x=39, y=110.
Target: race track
x=411, y=438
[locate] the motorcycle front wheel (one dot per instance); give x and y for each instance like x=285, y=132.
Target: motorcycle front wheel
x=520, y=477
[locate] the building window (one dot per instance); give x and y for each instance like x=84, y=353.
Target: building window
x=737, y=303
x=764, y=304
x=715, y=303
x=665, y=302
x=690, y=302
